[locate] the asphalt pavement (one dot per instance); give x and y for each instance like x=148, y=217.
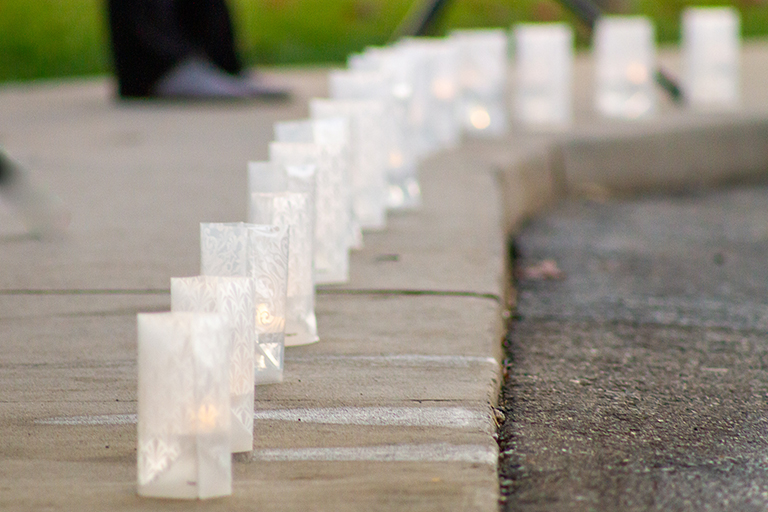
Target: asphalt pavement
x=638, y=356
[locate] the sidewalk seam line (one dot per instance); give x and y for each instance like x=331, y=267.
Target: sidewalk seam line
x=321, y=291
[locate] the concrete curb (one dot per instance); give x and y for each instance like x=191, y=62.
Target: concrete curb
x=682, y=154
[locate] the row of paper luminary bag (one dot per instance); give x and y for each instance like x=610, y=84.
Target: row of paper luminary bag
x=328, y=179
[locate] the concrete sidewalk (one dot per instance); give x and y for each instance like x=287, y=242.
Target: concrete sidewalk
x=390, y=411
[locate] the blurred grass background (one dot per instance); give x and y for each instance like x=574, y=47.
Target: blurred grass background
x=63, y=38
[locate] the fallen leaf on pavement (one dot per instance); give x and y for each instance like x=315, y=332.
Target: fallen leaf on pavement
x=544, y=270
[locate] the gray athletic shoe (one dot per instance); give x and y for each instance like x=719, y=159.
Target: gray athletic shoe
x=199, y=79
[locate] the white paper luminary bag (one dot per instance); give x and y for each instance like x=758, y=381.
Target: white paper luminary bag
x=625, y=60
x=401, y=166
x=183, y=406
x=438, y=58
x=368, y=155
x=234, y=299
x=333, y=134
x=482, y=80
x=291, y=210
x=711, y=55
x=268, y=265
x=300, y=160
x=332, y=198
x=277, y=176
x=543, y=74
x=409, y=88
x=259, y=252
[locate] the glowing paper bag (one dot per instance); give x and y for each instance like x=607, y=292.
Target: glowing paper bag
x=368, y=154
x=184, y=434
x=233, y=298
x=625, y=59
x=439, y=60
x=543, y=74
x=711, y=51
x=291, y=210
x=259, y=252
x=482, y=80
x=409, y=88
x=400, y=160
x=332, y=198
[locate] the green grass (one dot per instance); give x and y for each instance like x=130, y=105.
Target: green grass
x=51, y=38
x=61, y=38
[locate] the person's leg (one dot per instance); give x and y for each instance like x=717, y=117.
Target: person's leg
x=147, y=41
x=208, y=24
x=179, y=49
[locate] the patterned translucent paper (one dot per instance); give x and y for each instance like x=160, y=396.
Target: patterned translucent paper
x=711, y=54
x=368, y=155
x=625, y=59
x=482, y=80
x=233, y=298
x=333, y=229
x=543, y=74
x=401, y=169
x=260, y=252
x=184, y=406
x=291, y=210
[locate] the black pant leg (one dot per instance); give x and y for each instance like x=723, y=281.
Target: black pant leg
x=209, y=25
x=151, y=36
x=147, y=40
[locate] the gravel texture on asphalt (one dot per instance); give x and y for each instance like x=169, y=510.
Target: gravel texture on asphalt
x=637, y=370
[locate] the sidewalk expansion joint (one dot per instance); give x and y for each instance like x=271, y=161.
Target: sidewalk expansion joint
x=320, y=291
x=410, y=293
x=434, y=452
x=91, y=291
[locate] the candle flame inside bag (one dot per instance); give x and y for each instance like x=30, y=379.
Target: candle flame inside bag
x=207, y=418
